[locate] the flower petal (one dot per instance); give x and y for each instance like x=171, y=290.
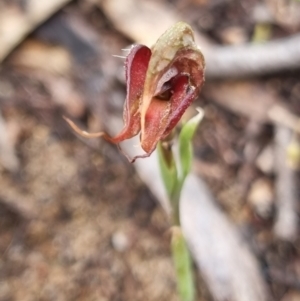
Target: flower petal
x=136, y=66
x=173, y=54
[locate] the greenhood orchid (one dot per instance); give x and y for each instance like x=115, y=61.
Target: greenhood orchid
x=161, y=83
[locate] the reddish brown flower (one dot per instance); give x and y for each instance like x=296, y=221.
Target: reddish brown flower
x=161, y=83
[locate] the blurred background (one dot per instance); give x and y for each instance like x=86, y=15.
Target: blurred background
x=76, y=220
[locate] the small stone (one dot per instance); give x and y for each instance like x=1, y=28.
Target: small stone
x=120, y=241
x=265, y=160
x=261, y=197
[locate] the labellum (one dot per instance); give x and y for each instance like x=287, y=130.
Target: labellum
x=161, y=83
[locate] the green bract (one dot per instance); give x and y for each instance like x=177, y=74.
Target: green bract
x=185, y=143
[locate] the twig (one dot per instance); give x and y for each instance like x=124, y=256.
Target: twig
x=225, y=261
x=253, y=59
x=15, y=25
x=286, y=199
x=8, y=157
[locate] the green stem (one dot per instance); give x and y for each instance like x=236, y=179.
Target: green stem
x=175, y=201
x=183, y=265
x=176, y=214
x=180, y=253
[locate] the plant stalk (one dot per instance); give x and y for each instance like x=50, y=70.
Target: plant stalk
x=183, y=265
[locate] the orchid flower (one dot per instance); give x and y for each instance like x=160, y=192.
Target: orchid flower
x=161, y=83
